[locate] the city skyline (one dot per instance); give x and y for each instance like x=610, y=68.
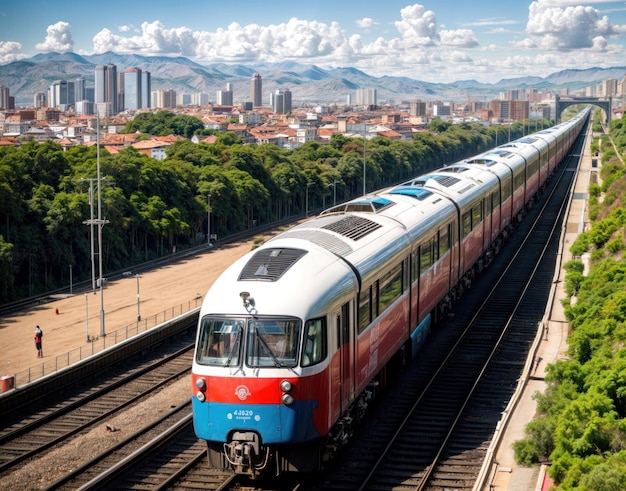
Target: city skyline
x=430, y=41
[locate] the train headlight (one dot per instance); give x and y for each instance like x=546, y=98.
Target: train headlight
x=201, y=385
x=286, y=386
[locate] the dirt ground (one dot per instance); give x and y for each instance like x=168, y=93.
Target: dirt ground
x=159, y=290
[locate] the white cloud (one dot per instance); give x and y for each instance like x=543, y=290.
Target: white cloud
x=418, y=41
x=153, y=39
x=553, y=26
x=127, y=28
x=462, y=38
x=365, y=23
x=418, y=26
x=10, y=51
x=58, y=38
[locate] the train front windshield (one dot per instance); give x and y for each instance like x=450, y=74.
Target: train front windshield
x=260, y=342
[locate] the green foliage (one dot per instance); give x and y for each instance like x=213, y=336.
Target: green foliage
x=595, y=189
x=605, y=476
x=574, y=266
x=581, y=245
x=525, y=452
x=573, y=281
x=538, y=445
x=615, y=245
x=164, y=123
x=153, y=206
x=585, y=399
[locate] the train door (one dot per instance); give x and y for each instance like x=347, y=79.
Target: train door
x=345, y=341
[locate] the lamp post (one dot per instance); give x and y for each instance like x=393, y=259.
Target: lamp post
x=335, y=192
x=208, y=214
x=101, y=222
x=138, y=299
x=364, y=159
x=306, y=208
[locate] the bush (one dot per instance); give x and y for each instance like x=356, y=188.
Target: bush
x=595, y=189
x=574, y=266
x=581, y=245
x=597, y=254
x=525, y=452
x=614, y=245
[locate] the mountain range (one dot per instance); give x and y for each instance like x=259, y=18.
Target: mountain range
x=26, y=77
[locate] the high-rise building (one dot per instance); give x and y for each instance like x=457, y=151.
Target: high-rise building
x=4, y=97
x=39, y=100
x=200, y=99
x=281, y=101
x=366, y=97
x=225, y=97
x=146, y=88
x=608, y=87
x=256, y=90
x=79, y=89
x=132, y=89
x=84, y=107
x=106, y=87
x=287, y=96
x=417, y=108
x=510, y=110
x=61, y=94
x=440, y=110
x=277, y=101
x=164, y=99
x=519, y=110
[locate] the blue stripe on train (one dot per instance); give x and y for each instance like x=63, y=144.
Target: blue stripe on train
x=276, y=423
x=419, y=335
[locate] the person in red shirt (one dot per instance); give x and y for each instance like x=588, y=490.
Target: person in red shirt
x=38, y=341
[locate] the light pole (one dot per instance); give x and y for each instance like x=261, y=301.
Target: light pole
x=364, y=159
x=306, y=208
x=91, y=222
x=138, y=300
x=335, y=192
x=70, y=279
x=208, y=215
x=101, y=222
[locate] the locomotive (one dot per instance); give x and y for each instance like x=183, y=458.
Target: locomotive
x=294, y=338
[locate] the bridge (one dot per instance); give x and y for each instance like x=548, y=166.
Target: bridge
x=602, y=103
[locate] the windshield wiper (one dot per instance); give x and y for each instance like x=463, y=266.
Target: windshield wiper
x=232, y=351
x=259, y=336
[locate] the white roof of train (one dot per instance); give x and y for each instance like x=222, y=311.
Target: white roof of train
x=320, y=256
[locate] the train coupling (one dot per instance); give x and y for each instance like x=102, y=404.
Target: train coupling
x=245, y=453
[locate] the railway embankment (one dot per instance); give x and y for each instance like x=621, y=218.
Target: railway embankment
x=502, y=472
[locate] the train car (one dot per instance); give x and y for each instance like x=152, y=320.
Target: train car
x=295, y=338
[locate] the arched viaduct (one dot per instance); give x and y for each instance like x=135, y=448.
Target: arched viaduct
x=602, y=103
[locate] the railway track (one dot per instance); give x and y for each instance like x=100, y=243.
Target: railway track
x=52, y=423
x=432, y=431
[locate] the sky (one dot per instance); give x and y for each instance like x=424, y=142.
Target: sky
x=433, y=41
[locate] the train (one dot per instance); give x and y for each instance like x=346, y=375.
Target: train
x=295, y=338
